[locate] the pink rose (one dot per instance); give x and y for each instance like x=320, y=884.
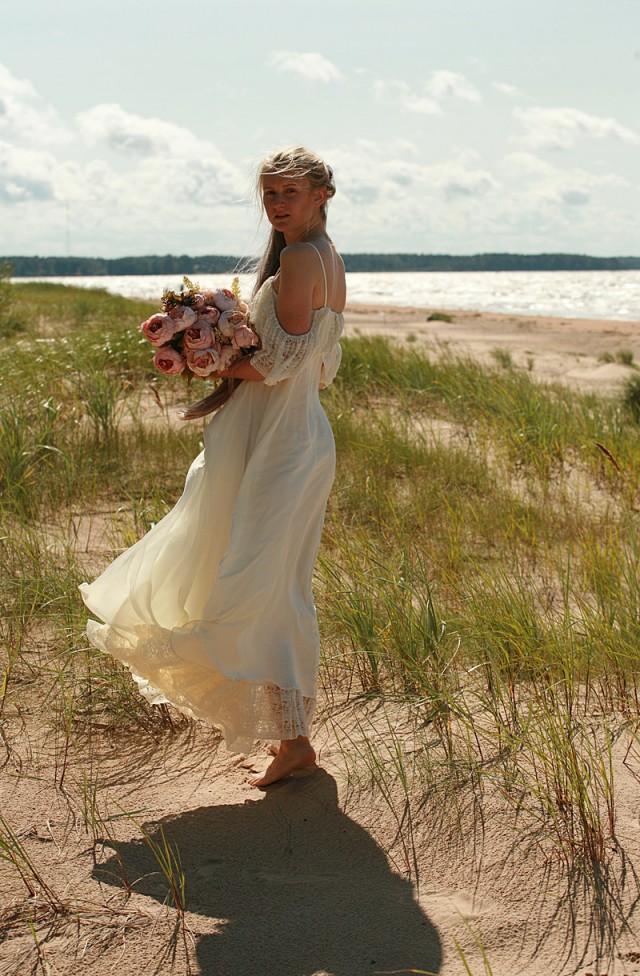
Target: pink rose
x=209, y=314
x=168, y=360
x=198, y=336
x=202, y=362
x=244, y=336
x=158, y=329
x=198, y=301
x=182, y=316
x=230, y=320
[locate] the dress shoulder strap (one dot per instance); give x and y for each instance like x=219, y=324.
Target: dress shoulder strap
x=324, y=273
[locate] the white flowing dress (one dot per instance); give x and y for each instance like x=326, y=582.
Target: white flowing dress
x=212, y=610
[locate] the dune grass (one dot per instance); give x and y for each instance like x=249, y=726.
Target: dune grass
x=460, y=578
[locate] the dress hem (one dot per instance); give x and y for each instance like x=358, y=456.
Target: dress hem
x=246, y=711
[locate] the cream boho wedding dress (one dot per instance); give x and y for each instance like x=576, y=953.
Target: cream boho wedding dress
x=212, y=610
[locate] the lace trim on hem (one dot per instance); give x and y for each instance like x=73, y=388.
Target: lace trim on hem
x=243, y=710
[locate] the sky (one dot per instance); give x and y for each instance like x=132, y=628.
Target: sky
x=452, y=126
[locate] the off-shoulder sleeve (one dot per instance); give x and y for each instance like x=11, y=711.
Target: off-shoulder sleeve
x=282, y=354
x=330, y=365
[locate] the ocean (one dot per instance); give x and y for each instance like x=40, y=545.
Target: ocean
x=578, y=294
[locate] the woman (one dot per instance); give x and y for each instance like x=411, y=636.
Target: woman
x=212, y=610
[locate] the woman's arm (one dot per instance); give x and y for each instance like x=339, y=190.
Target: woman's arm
x=242, y=369
x=295, y=292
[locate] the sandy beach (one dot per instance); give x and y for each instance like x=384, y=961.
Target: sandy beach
x=564, y=350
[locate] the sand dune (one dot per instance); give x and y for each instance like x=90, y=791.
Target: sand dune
x=564, y=350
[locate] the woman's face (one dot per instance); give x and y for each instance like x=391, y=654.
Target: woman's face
x=291, y=204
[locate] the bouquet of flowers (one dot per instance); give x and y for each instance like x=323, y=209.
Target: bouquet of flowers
x=199, y=331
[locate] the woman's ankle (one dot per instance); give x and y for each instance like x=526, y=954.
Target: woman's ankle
x=301, y=742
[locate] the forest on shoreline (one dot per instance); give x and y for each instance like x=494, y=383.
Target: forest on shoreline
x=151, y=264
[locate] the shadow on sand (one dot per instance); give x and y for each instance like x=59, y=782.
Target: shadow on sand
x=297, y=886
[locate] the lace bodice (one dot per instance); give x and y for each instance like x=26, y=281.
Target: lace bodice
x=284, y=354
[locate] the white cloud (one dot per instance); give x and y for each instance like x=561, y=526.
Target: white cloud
x=368, y=175
x=537, y=180
x=559, y=128
x=25, y=174
x=168, y=154
x=24, y=115
x=403, y=146
x=461, y=204
x=152, y=181
x=20, y=88
x=127, y=132
x=307, y=64
x=459, y=178
x=139, y=135
x=575, y=198
x=507, y=89
x=444, y=84
x=399, y=93
x=440, y=85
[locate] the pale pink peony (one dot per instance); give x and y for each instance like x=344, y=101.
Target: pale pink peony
x=222, y=298
x=169, y=361
x=209, y=314
x=198, y=336
x=244, y=336
x=202, y=362
x=227, y=355
x=158, y=329
x=230, y=320
x=182, y=316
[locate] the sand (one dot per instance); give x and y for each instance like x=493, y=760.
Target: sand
x=304, y=878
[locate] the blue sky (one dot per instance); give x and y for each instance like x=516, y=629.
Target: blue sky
x=459, y=127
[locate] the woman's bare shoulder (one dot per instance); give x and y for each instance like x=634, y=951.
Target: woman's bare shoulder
x=296, y=254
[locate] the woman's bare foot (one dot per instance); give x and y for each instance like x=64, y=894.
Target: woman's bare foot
x=293, y=754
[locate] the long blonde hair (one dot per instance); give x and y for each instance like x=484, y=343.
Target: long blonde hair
x=296, y=162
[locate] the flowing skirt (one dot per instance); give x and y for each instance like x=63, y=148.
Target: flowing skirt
x=212, y=610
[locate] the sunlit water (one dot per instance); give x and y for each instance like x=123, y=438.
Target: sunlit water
x=580, y=294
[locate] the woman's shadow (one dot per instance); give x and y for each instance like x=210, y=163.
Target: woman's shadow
x=298, y=887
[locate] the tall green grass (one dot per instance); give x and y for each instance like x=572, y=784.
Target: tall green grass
x=539, y=425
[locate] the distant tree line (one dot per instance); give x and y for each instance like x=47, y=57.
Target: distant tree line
x=173, y=264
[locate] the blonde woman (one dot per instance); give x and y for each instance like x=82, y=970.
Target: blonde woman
x=213, y=610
